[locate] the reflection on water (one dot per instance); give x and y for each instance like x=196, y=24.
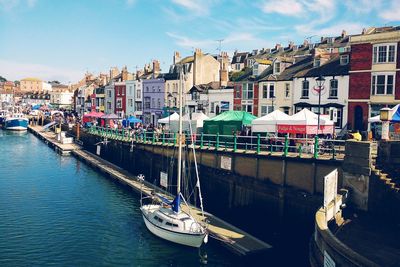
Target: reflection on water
x=55, y=210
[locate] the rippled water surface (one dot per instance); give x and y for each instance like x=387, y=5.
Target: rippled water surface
x=55, y=210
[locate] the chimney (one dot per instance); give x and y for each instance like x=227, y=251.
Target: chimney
x=364, y=31
x=156, y=66
x=177, y=57
x=278, y=46
x=344, y=33
x=291, y=44
x=198, y=52
x=305, y=43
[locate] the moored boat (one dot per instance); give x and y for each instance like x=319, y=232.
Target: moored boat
x=16, y=122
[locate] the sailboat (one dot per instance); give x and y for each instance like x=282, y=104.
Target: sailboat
x=166, y=219
x=16, y=121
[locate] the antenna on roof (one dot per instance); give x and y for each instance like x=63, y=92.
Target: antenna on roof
x=220, y=44
x=309, y=38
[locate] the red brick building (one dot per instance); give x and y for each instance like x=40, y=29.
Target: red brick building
x=374, y=72
x=120, y=98
x=245, y=92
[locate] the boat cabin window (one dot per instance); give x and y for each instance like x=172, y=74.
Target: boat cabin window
x=171, y=224
x=185, y=219
x=158, y=219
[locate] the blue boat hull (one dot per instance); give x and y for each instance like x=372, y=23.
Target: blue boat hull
x=17, y=124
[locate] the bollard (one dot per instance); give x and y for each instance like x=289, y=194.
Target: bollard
x=316, y=147
x=258, y=143
x=234, y=142
x=286, y=148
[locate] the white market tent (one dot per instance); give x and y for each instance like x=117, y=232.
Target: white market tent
x=305, y=122
x=167, y=120
x=196, y=122
x=268, y=123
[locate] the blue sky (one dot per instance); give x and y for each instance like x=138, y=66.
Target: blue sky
x=57, y=39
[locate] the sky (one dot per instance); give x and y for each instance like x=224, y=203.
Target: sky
x=61, y=40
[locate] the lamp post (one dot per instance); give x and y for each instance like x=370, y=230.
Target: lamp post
x=385, y=116
x=169, y=96
x=272, y=99
x=320, y=83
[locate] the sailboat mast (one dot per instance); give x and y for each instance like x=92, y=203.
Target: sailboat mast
x=180, y=135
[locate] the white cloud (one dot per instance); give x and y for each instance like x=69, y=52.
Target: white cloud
x=362, y=6
x=198, y=7
x=8, y=5
x=283, y=7
x=189, y=42
x=391, y=13
x=13, y=70
x=334, y=30
x=130, y=2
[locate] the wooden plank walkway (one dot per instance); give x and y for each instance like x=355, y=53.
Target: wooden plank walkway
x=51, y=138
x=233, y=238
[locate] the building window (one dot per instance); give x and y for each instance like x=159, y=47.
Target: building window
x=382, y=84
x=268, y=90
x=153, y=103
x=333, y=90
x=212, y=107
x=237, y=92
x=119, y=103
x=109, y=105
x=130, y=102
x=147, y=89
x=305, y=89
x=286, y=110
x=248, y=108
x=384, y=53
x=147, y=102
x=158, y=103
x=138, y=94
x=277, y=67
x=317, y=62
x=159, y=89
x=237, y=66
x=344, y=59
x=266, y=110
x=109, y=93
x=287, y=90
x=247, y=91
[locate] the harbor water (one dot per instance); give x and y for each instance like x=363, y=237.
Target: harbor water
x=55, y=210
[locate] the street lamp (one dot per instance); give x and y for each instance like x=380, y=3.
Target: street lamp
x=272, y=99
x=320, y=83
x=385, y=116
x=169, y=97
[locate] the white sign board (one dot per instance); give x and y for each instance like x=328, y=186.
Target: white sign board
x=226, y=163
x=98, y=150
x=164, y=179
x=330, y=187
x=328, y=261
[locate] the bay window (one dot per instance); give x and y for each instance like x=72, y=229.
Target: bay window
x=384, y=53
x=382, y=84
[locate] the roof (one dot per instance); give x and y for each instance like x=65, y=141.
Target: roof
x=186, y=60
x=331, y=68
x=243, y=116
x=31, y=79
x=239, y=57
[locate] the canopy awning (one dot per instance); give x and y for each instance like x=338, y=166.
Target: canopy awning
x=172, y=117
x=268, y=123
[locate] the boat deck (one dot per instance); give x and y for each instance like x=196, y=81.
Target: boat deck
x=233, y=238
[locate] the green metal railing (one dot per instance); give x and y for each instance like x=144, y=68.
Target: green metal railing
x=261, y=145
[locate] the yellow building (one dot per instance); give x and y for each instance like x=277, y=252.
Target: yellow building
x=31, y=85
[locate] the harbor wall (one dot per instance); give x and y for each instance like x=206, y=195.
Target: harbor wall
x=268, y=196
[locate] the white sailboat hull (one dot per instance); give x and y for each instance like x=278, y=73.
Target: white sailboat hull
x=179, y=237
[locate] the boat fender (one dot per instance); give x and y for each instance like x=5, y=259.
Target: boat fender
x=206, y=239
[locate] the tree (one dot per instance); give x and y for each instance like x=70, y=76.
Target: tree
x=2, y=79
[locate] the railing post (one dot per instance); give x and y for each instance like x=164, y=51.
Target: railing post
x=217, y=142
x=201, y=141
x=145, y=137
x=174, y=139
x=300, y=150
x=316, y=147
x=286, y=148
x=234, y=142
x=153, y=139
x=333, y=150
x=163, y=138
x=258, y=143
